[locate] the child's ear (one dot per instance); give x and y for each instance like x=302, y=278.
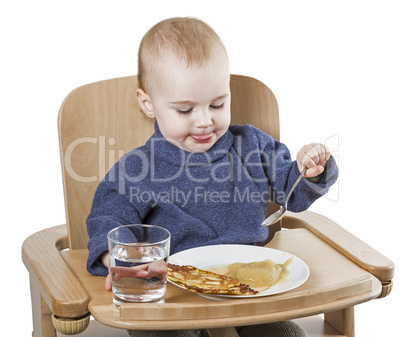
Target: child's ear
x=145, y=103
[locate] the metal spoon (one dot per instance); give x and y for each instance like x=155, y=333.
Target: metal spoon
x=274, y=217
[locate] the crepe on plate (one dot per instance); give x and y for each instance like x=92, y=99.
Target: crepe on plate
x=207, y=282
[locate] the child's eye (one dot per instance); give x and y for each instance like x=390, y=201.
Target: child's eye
x=217, y=107
x=184, y=111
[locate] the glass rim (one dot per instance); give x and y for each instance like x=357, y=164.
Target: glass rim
x=138, y=243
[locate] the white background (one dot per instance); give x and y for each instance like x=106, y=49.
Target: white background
x=334, y=66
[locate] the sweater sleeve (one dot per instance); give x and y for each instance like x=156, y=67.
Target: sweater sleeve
x=282, y=172
x=307, y=192
x=110, y=209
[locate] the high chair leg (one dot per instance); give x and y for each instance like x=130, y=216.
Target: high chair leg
x=342, y=320
x=41, y=315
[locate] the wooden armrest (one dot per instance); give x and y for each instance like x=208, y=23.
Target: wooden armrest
x=54, y=279
x=345, y=242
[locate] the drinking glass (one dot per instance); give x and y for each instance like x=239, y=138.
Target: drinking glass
x=138, y=263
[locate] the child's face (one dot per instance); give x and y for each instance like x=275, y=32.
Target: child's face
x=191, y=104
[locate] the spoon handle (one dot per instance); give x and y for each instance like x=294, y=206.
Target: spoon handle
x=275, y=217
x=295, y=184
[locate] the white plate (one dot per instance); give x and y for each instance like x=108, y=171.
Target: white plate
x=209, y=256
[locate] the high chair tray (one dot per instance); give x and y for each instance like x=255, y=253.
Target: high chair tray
x=335, y=282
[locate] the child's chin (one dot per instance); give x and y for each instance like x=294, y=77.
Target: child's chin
x=201, y=147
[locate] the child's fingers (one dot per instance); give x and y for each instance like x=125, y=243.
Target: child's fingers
x=154, y=269
x=121, y=272
x=324, y=153
x=313, y=157
x=108, y=282
x=158, y=269
x=314, y=171
x=315, y=154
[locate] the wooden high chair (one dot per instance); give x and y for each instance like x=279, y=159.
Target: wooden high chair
x=101, y=121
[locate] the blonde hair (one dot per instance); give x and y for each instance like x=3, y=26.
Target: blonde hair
x=189, y=39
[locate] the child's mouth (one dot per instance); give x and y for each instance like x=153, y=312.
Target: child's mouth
x=205, y=138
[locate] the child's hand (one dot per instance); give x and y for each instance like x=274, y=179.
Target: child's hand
x=105, y=260
x=108, y=282
x=154, y=269
x=314, y=157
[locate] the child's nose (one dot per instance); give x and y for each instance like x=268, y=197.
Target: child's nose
x=203, y=119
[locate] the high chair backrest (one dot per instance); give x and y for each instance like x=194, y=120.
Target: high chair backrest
x=101, y=121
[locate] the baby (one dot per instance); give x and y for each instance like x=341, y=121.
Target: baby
x=204, y=180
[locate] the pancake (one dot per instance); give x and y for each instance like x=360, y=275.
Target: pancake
x=202, y=281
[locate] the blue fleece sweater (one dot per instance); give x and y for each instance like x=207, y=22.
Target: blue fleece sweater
x=216, y=197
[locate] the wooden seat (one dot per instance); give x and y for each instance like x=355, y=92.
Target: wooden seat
x=100, y=122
